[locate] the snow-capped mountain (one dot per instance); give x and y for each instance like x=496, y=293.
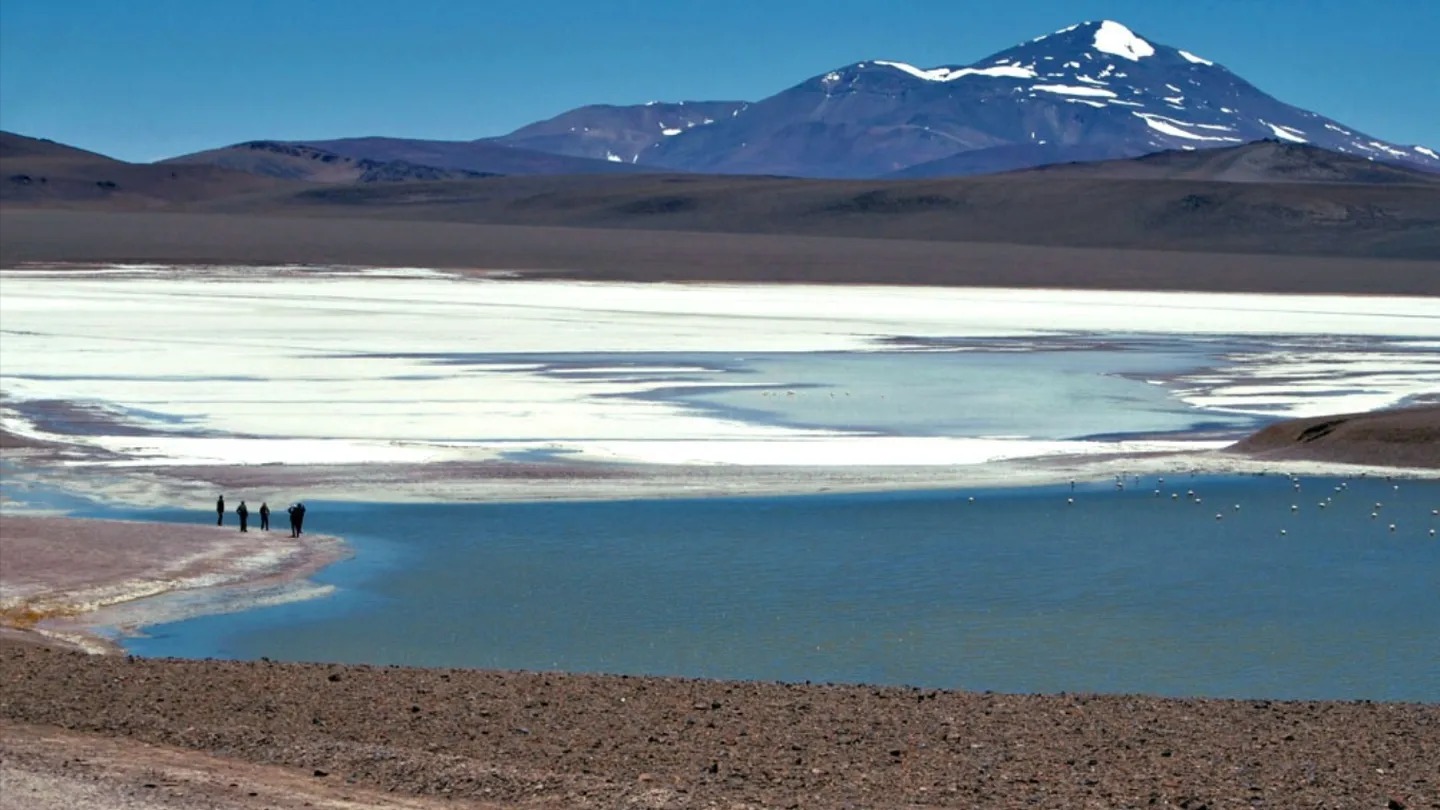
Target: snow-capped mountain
x=1090, y=91
x=617, y=133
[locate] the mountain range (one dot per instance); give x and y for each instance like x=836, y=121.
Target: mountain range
x=1092, y=91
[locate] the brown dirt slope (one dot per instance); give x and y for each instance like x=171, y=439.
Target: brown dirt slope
x=1259, y=162
x=301, y=162
x=583, y=741
x=35, y=173
x=1408, y=437
x=1369, y=213
x=31, y=236
x=1320, y=219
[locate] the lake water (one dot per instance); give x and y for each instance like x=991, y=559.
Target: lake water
x=1017, y=590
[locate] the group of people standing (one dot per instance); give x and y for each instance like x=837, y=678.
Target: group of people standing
x=296, y=511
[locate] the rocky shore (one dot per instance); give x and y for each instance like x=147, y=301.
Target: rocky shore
x=587, y=741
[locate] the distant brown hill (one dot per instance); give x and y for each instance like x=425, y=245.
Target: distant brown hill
x=1407, y=437
x=347, y=159
x=293, y=161
x=1259, y=162
x=1166, y=205
x=1260, y=198
x=41, y=173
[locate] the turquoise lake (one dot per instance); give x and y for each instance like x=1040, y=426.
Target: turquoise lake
x=1016, y=590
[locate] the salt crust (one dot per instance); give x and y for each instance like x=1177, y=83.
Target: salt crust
x=296, y=366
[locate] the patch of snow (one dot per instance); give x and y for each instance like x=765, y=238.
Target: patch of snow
x=1087, y=80
x=1285, y=133
x=1072, y=64
x=943, y=74
x=832, y=76
x=1097, y=104
x=1113, y=38
x=1174, y=88
x=672, y=131
x=614, y=158
x=1341, y=130
x=1171, y=127
x=1190, y=57
x=1388, y=149
x=1071, y=90
x=1226, y=110
x=1427, y=152
x=1175, y=100
x=1128, y=103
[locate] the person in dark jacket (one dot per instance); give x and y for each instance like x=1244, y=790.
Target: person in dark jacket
x=294, y=520
x=264, y=517
x=220, y=511
x=299, y=519
x=244, y=515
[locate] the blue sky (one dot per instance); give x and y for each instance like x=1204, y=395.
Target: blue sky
x=146, y=79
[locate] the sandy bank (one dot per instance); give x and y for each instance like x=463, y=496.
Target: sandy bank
x=64, y=578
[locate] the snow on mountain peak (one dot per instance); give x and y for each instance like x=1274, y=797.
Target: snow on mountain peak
x=944, y=74
x=1190, y=57
x=1113, y=38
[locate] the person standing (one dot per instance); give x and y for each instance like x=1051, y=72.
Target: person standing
x=294, y=520
x=220, y=511
x=299, y=518
x=264, y=517
x=244, y=515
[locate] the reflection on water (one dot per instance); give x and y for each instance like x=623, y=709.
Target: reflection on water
x=1017, y=590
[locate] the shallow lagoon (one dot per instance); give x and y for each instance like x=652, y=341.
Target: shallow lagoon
x=1017, y=590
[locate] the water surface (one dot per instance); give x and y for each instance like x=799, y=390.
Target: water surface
x=1017, y=590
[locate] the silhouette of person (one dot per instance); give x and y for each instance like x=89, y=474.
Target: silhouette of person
x=220, y=511
x=299, y=519
x=264, y=517
x=294, y=520
x=244, y=516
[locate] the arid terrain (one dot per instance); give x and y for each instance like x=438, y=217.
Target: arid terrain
x=82, y=730
x=1408, y=437
x=117, y=731
x=577, y=741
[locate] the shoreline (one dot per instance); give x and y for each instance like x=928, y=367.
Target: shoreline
x=82, y=583
x=162, y=588
x=90, y=614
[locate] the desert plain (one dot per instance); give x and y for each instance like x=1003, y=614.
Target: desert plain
x=214, y=302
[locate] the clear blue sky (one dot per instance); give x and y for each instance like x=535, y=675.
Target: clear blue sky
x=145, y=79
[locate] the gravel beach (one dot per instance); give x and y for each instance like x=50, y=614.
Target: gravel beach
x=562, y=740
